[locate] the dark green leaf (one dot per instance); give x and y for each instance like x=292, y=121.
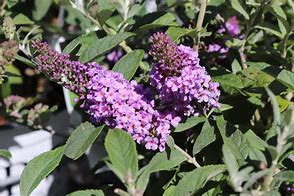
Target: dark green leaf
x=276, y=110
x=229, y=82
x=41, y=8
x=215, y=2
x=189, y=123
x=129, y=64
x=232, y=166
x=223, y=127
x=21, y=19
x=122, y=153
x=102, y=45
x=39, y=168
x=5, y=153
x=81, y=139
x=161, y=161
x=25, y=61
x=287, y=78
x=236, y=67
x=5, y=89
x=105, y=10
x=205, y=138
x=196, y=179
x=254, y=141
x=89, y=192
x=166, y=20
x=240, y=7
x=11, y=3
x=178, y=32
x=14, y=75
x=268, y=27
x=83, y=40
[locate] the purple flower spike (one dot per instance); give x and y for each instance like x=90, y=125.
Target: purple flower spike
x=183, y=84
x=108, y=98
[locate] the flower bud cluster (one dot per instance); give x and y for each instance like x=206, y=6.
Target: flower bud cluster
x=191, y=90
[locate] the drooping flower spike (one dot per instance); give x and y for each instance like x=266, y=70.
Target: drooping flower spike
x=108, y=98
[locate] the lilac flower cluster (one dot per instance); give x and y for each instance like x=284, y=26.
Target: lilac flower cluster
x=109, y=98
x=232, y=28
x=181, y=82
x=126, y=105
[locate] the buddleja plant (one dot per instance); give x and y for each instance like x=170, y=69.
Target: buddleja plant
x=199, y=104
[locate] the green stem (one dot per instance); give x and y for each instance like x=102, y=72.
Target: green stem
x=202, y=9
x=246, y=34
x=188, y=157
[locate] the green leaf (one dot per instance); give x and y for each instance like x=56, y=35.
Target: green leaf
x=278, y=11
x=189, y=123
x=177, y=32
x=25, y=61
x=256, y=101
x=5, y=153
x=268, y=27
x=89, y=192
x=102, y=45
x=254, y=178
x=224, y=127
x=167, y=19
x=285, y=176
x=229, y=82
x=205, y=138
x=75, y=17
x=236, y=67
x=240, y=7
x=281, y=17
x=283, y=103
x=161, y=161
x=129, y=64
x=254, y=141
x=225, y=107
x=215, y=2
x=196, y=179
x=122, y=153
x=21, y=19
x=5, y=89
x=83, y=40
x=105, y=10
x=276, y=110
x=81, y=139
x=232, y=166
x=169, y=191
x=287, y=78
x=41, y=8
x=14, y=75
x=39, y=168
x=11, y=3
